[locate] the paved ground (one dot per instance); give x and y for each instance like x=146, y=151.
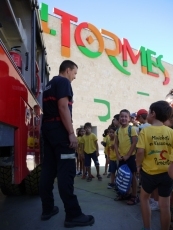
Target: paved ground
x=23, y=213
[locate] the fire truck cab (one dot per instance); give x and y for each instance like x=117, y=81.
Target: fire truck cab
x=24, y=72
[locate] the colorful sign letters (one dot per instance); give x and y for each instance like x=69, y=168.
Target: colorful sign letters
x=121, y=47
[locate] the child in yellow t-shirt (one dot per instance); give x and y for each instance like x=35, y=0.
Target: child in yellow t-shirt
x=110, y=149
x=169, y=123
x=125, y=148
x=154, y=154
x=90, y=150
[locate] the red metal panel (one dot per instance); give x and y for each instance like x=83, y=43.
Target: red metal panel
x=16, y=106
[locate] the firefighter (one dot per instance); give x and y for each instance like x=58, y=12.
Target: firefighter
x=60, y=144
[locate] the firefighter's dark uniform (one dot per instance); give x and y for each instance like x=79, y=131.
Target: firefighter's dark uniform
x=59, y=159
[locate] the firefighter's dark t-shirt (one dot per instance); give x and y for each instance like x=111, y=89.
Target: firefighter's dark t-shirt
x=57, y=88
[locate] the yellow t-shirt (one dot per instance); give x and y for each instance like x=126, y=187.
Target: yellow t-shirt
x=79, y=145
x=111, y=151
x=157, y=141
x=124, y=140
x=89, y=142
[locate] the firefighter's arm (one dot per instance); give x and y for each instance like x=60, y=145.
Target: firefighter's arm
x=65, y=114
x=66, y=120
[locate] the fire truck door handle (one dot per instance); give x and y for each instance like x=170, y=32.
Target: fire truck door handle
x=27, y=61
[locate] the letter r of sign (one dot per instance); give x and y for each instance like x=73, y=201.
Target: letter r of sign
x=107, y=116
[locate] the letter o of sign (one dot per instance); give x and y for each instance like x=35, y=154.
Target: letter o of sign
x=80, y=43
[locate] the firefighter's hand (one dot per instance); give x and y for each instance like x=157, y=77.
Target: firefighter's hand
x=73, y=141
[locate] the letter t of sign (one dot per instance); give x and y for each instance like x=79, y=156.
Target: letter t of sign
x=65, y=30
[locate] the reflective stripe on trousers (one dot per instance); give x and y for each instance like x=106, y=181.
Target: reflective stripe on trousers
x=68, y=156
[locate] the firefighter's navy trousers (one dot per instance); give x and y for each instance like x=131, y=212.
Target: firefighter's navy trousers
x=58, y=161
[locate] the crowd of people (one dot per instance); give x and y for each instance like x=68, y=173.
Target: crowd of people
x=147, y=151
x=143, y=141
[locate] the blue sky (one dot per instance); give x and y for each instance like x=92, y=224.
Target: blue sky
x=143, y=22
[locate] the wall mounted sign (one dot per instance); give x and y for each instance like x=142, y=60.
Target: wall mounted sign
x=121, y=47
x=107, y=104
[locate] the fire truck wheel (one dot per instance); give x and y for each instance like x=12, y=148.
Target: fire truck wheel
x=6, y=185
x=32, y=181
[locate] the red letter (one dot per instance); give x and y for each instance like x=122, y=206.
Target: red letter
x=65, y=30
x=127, y=48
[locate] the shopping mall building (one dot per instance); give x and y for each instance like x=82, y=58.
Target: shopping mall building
x=111, y=75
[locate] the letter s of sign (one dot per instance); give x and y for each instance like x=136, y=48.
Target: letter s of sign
x=162, y=68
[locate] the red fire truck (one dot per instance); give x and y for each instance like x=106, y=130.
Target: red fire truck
x=24, y=72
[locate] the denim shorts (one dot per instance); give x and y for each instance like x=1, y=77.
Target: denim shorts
x=88, y=158
x=112, y=166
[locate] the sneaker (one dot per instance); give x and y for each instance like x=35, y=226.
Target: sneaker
x=79, y=173
x=47, y=216
x=82, y=220
x=110, y=186
x=154, y=206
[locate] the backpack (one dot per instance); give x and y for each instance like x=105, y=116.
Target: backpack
x=123, y=179
x=129, y=132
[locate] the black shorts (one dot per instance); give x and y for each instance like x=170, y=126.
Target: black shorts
x=161, y=181
x=112, y=166
x=88, y=158
x=131, y=162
